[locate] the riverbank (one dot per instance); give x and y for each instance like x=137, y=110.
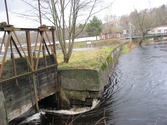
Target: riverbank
x=90, y=57
x=89, y=83
x=87, y=74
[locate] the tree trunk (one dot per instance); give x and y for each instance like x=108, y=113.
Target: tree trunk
x=140, y=42
x=66, y=59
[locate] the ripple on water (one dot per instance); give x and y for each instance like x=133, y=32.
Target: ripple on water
x=136, y=94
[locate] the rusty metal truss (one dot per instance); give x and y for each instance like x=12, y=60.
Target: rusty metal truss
x=32, y=50
x=42, y=46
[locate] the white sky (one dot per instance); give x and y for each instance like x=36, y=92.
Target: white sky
x=121, y=7
x=118, y=8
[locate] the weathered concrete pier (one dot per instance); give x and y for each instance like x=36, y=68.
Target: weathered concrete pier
x=79, y=86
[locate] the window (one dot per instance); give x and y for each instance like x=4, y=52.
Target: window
x=165, y=31
x=118, y=35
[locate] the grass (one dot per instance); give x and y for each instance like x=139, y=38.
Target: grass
x=97, y=43
x=86, y=59
x=91, y=59
x=125, y=49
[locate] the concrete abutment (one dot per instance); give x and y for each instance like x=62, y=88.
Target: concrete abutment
x=80, y=85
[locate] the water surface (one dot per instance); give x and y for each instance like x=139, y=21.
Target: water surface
x=136, y=95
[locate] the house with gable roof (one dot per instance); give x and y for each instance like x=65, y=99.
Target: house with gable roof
x=111, y=30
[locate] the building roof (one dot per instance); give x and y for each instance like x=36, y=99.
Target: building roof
x=112, y=27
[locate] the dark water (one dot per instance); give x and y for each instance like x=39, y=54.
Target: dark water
x=136, y=95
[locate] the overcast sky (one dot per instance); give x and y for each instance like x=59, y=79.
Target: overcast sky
x=119, y=8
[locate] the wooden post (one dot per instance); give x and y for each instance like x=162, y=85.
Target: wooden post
x=13, y=62
x=35, y=93
x=54, y=46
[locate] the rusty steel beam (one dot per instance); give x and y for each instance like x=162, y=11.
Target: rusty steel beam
x=54, y=46
x=46, y=45
x=10, y=27
x=16, y=47
x=33, y=64
x=28, y=40
x=3, y=40
x=39, y=50
x=36, y=41
x=5, y=53
x=29, y=29
x=32, y=69
x=49, y=42
x=28, y=73
x=12, y=38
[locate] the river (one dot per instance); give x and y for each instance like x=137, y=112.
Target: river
x=136, y=95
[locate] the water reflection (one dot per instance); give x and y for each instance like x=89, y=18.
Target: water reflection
x=142, y=79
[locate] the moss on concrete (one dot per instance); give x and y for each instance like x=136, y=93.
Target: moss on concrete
x=80, y=79
x=78, y=95
x=78, y=83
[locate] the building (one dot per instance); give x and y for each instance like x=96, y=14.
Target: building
x=111, y=30
x=159, y=29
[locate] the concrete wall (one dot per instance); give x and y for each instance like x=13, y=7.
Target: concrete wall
x=80, y=79
x=81, y=84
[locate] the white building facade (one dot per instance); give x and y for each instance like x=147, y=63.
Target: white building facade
x=159, y=29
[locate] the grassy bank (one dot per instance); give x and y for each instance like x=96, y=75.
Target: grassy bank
x=85, y=59
x=98, y=43
x=91, y=59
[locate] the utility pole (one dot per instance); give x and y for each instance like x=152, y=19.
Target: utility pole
x=7, y=15
x=39, y=7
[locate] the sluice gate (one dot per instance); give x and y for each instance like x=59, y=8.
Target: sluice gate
x=28, y=68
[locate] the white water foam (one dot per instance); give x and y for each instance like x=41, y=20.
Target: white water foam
x=77, y=110
x=95, y=103
x=71, y=111
x=33, y=117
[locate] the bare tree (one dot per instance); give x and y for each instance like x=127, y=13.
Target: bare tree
x=66, y=15
x=143, y=22
x=161, y=15
x=110, y=20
